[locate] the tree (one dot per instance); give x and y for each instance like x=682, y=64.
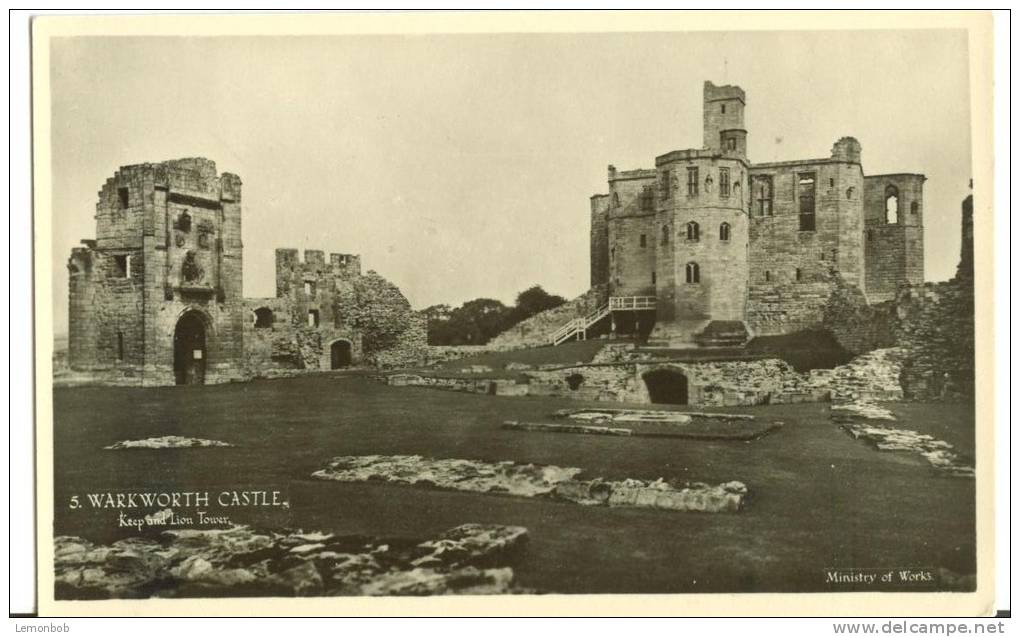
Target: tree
x=479, y=320
x=532, y=301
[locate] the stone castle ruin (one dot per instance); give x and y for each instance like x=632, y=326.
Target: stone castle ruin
x=156, y=298
x=708, y=248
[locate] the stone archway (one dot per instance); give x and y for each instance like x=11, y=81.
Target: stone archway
x=340, y=354
x=190, y=353
x=667, y=386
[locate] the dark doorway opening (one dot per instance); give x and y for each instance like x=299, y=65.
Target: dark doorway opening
x=189, y=350
x=340, y=355
x=666, y=386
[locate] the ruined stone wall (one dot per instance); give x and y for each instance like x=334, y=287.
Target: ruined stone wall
x=314, y=297
x=793, y=270
x=392, y=333
x=106, y=327
x=937, y=333
x=857, y=325
x=599, y=238
x=894, y=247
x=169, y=246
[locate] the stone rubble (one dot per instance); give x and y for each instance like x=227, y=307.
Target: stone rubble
x=167, y=442
x=569, y=429
x=643, y=415
x=532, y=480
x=468, y=559
x=867, y=411
x=507, y=477
x=869, y=377
x=938, y=453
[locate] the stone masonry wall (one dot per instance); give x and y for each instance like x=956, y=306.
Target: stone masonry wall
x=599, y=237
x=894, y=248
x=792, y=271
x=168, y=248
x=167, y=244
x=631, y=231
x=856, y=325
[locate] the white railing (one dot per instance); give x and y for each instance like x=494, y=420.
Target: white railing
x=631, y=303
x=580, y=326
x=576, y=326
x=568, y=330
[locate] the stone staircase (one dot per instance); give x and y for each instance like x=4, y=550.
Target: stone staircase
x=578, y=328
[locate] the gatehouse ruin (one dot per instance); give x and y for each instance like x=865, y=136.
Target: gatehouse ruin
x=157, y=297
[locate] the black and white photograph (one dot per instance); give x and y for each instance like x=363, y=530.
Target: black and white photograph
x=536, y=314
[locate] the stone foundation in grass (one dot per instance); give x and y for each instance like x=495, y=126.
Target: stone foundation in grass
x=167, y=442
x=531, y=480
x=859, y=420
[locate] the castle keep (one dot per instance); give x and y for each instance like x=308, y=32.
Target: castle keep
x=709, y=248
x=156, y=298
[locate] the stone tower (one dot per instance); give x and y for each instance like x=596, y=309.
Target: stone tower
x=701, y=225
x=894, y=233
x=156, y=298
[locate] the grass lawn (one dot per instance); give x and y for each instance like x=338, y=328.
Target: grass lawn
x=818, y=498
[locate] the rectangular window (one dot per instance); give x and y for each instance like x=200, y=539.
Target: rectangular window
x=731, y=143
x=313, y=318
x=309, y=288
x=644, y=241
x=724, y=182
x=692, y=181
x=761, y=191
x=120, y=346
x=664, y=185
x=653, y=277
x=122, y=195
x=121, y=266
x=806, y=199
x=646, y=200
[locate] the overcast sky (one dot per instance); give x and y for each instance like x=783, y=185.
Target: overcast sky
x=461, y=166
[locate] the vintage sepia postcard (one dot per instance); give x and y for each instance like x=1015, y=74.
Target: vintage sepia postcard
x=648, y=313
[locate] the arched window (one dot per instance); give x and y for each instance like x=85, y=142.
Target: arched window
x=665, y=235
x=768, y=276
x=724, y=231
x=850, y=192
x=892, y=204
x=612, y=255
x=914, y=207
x=263, y=318
x=693, y=231
x=693, y=273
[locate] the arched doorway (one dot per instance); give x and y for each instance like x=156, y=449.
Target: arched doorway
x=340, y=355
x=189, y=350
x=666, y=386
